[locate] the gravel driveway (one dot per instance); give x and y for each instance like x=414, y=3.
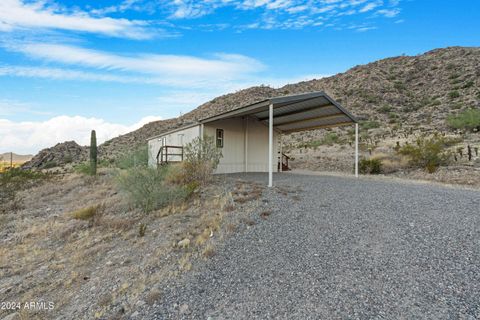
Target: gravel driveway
x=348, y=249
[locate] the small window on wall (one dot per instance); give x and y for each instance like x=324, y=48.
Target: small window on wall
x=219, y=138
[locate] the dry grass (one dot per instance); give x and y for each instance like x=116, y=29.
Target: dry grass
x=152, y=297
x=265, y=214
x=64, y=248
x=208, y=251
x=247, y=191
x=231, y=228
x=85, y=213
x=391, y=162
x=248, y=221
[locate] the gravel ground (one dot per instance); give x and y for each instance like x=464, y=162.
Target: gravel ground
x=347, y=249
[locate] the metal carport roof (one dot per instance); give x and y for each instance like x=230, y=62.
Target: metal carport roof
x=293, y=113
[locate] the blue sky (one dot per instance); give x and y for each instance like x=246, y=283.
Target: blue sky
x=67, y=67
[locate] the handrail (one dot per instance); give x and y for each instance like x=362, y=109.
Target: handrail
x=283, y=163
x=162, y=155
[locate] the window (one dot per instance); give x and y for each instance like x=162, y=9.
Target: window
x=219, y=138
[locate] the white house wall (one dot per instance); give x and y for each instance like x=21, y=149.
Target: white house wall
x=177, y=138
x=233, y=146
x=257, y=147
x=245, y=147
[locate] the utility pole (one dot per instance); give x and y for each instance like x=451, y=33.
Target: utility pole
x=11, y=160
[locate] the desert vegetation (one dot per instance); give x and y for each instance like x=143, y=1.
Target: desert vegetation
x=101, y=245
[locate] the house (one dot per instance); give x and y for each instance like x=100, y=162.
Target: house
x=251, y=136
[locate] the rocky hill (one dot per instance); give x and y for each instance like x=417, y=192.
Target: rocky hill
x=407, y=91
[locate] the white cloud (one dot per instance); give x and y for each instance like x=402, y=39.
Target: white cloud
x=370, y=6
x=18, y=15
x=283, y=14
x=173, y=70
x=32, y=136
x=66, y=74
x=389, y=13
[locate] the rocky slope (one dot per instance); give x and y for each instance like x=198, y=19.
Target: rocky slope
x=418, y=92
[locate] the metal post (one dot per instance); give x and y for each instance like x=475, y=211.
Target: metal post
x=270, y=145
x=281, y=153
x=356, y=150
x=246, y=143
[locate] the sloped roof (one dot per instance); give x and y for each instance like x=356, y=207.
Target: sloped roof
x=293, y=113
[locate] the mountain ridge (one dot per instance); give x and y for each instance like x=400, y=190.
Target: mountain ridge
x=418, y=91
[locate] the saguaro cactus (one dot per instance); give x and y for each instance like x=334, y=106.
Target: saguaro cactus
x=93, y=153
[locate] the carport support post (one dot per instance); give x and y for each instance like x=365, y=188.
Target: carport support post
x=270, y=145
x=356, y=150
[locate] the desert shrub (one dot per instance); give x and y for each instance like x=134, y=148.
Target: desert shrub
x=385, y=109
x=329, y=139
x=369, y=125
x=399, y=85
x=84, y=213
x=467, y=120
x=83, y=168
x=427, y=153
x=16, y=179
x=136, y=158
x=49, y=165
x=200, y=159
x=453, y=94
x=147, y=188
x=370, y=166
x=468, y=84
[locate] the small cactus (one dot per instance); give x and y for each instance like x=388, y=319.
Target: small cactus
x=469, y=153
x=93, y=153
x=476, y=151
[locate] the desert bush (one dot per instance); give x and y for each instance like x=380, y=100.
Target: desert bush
x=49, y=165
x=147, y=189
x=16, y=179
x=385, y=108
x=329, y=139
x=136, y=158
x=83, y=168
x=370, y=166
x=466, y=120
x=84, y=213
x=427, y=153
x=454, y=94
x=201, y=157
x=369, y=125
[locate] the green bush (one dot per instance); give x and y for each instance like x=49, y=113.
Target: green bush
x=136, y=158
x=329, y=139
x=200, y=158
x=147, y=189
x=369, y=125
x=370, y=166
x=468, y=84
x=49, y=165
x=453, y=94
x=83, y=168
x=467, y=120
x=385, y=109
x=427, y=153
